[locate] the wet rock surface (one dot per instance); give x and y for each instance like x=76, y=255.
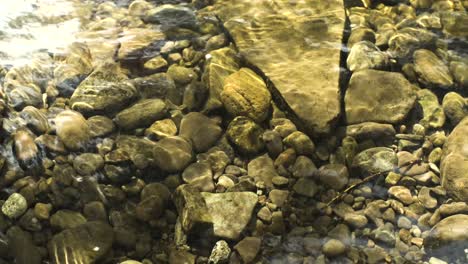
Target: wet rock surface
x=176, y=131
x=271, y=51
x=378, y=96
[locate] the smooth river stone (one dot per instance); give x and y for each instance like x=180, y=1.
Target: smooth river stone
x=454, y=164
x=297, y=46
x=378, y=96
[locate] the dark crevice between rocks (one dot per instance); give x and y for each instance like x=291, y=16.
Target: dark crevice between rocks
x=345, y=74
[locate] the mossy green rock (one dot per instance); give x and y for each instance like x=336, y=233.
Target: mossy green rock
x=87, y=243
x=378, y=96
x=246, y=135
x=433, y=113
x=15, y=206
x=246, y=94
x=455, y=23
x=156, y=85
x=454, y=163
x=105, y=90
x=455, y=107
x=141, y=114
x=459, y=71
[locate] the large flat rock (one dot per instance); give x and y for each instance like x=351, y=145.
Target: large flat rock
x=454, y=164
x=297, y=46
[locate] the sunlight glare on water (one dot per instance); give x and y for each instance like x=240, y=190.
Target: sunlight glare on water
x=27, y=26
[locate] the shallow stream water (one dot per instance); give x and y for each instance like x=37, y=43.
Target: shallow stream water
x=219, y=131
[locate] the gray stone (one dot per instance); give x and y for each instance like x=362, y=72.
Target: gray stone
x=306, y=187
x=403, y=43
x=303, y=167
x=375, y=160
x=202, y=131
x=365, y=55
x=156, y=85
x=306, y=90
x=404, y=222
x=105, y=90
x=334, y=176
x=88, y=163
x=19, y=242
x=172, y=154
x=273, y=142
x=141, y=114
x=170, y=16
x=262, y=169
x=100, y=126
x=359, y=34
x=401, y=193
x=278, y=197
x=230, y=212
x=378, y=96
x=199, y=175
x=65, y=219
x=76, y=66
x=370, y=130
x=24, y=84
x=431, y=70
x=192, y=209
x=87, y=243
x=424, y=196
x=35, y=119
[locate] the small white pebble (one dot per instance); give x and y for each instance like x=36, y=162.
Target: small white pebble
x=96, y=248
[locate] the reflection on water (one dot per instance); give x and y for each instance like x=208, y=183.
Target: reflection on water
x=28, y=26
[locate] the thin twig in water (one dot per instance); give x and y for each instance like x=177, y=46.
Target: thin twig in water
x=371, y=177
